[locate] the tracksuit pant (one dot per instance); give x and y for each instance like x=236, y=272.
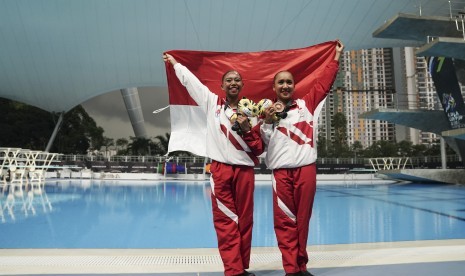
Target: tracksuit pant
x=232, y=205
x=293, y=194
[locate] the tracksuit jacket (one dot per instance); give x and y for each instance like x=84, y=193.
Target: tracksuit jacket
x=232, y=173
x=291, y=154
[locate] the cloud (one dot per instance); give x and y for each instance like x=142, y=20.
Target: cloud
x=109, y=112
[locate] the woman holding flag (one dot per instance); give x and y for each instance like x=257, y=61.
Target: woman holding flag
x=233, y=157
x=291, y=155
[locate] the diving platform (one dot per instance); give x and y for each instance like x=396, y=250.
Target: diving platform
x=451, y=176
x=458, y=133
x=444, y=46
x=441, y=36
x=417, y=28
x=397, y=168
x=434, y=121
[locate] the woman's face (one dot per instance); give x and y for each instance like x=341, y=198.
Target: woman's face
x=284, y=86
x=232, y=84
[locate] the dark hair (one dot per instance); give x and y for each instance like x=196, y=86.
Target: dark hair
x=224, y=75
x=282, y=71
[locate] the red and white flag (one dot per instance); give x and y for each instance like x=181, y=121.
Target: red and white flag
x=188, y=122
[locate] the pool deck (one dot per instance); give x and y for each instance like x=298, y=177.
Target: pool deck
x=432, y=257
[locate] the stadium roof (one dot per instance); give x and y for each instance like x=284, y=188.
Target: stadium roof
x=56, y=54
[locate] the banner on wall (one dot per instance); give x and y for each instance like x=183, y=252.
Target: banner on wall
x=445, y=80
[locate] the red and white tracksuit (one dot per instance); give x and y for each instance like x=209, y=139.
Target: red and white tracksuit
x=291, y=154
x=232, y=173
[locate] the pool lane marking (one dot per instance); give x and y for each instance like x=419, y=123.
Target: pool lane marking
x=397, y=203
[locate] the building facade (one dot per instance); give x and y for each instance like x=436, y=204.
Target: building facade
x=377, y=79
x=365, y=82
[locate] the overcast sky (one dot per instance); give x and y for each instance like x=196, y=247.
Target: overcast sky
x=109, y=112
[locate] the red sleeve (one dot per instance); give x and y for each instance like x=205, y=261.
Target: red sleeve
x=321, y=89
x=254, y=140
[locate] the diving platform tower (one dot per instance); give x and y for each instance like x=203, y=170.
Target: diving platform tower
x=444, y=49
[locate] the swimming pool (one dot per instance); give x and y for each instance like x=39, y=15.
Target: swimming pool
x=123, y=214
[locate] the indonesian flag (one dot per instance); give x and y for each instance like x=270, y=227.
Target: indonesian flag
x=188, y=122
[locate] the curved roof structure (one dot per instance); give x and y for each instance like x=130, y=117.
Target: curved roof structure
x=57, y=54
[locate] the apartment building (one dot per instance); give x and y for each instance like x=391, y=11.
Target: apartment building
x=376, y=79
x=365, y=82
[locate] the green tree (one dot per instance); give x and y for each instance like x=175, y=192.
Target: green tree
x=339, y=124
x=122, y=144
x=357, y=149
x=162, y=144
x=435, y=149
x=78, y=133
x=382, y=148
x=24, y=126
x=108, y=142
x=322, y=146
x=419, y=150
x=405, y=148
x=140, y=146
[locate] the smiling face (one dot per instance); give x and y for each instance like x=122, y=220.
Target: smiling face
x=232, y=84
x=283, y=85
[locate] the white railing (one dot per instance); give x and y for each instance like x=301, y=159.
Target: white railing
x=199, y=159
x=22, y=175
x=390, y=163
x=460, y=23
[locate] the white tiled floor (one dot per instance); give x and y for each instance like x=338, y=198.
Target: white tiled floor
x=101, y=261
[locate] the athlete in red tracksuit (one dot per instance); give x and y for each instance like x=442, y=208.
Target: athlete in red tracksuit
x=291, y=154
x=232, y=170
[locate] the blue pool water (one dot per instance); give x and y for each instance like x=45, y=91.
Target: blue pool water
x=100, y=214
